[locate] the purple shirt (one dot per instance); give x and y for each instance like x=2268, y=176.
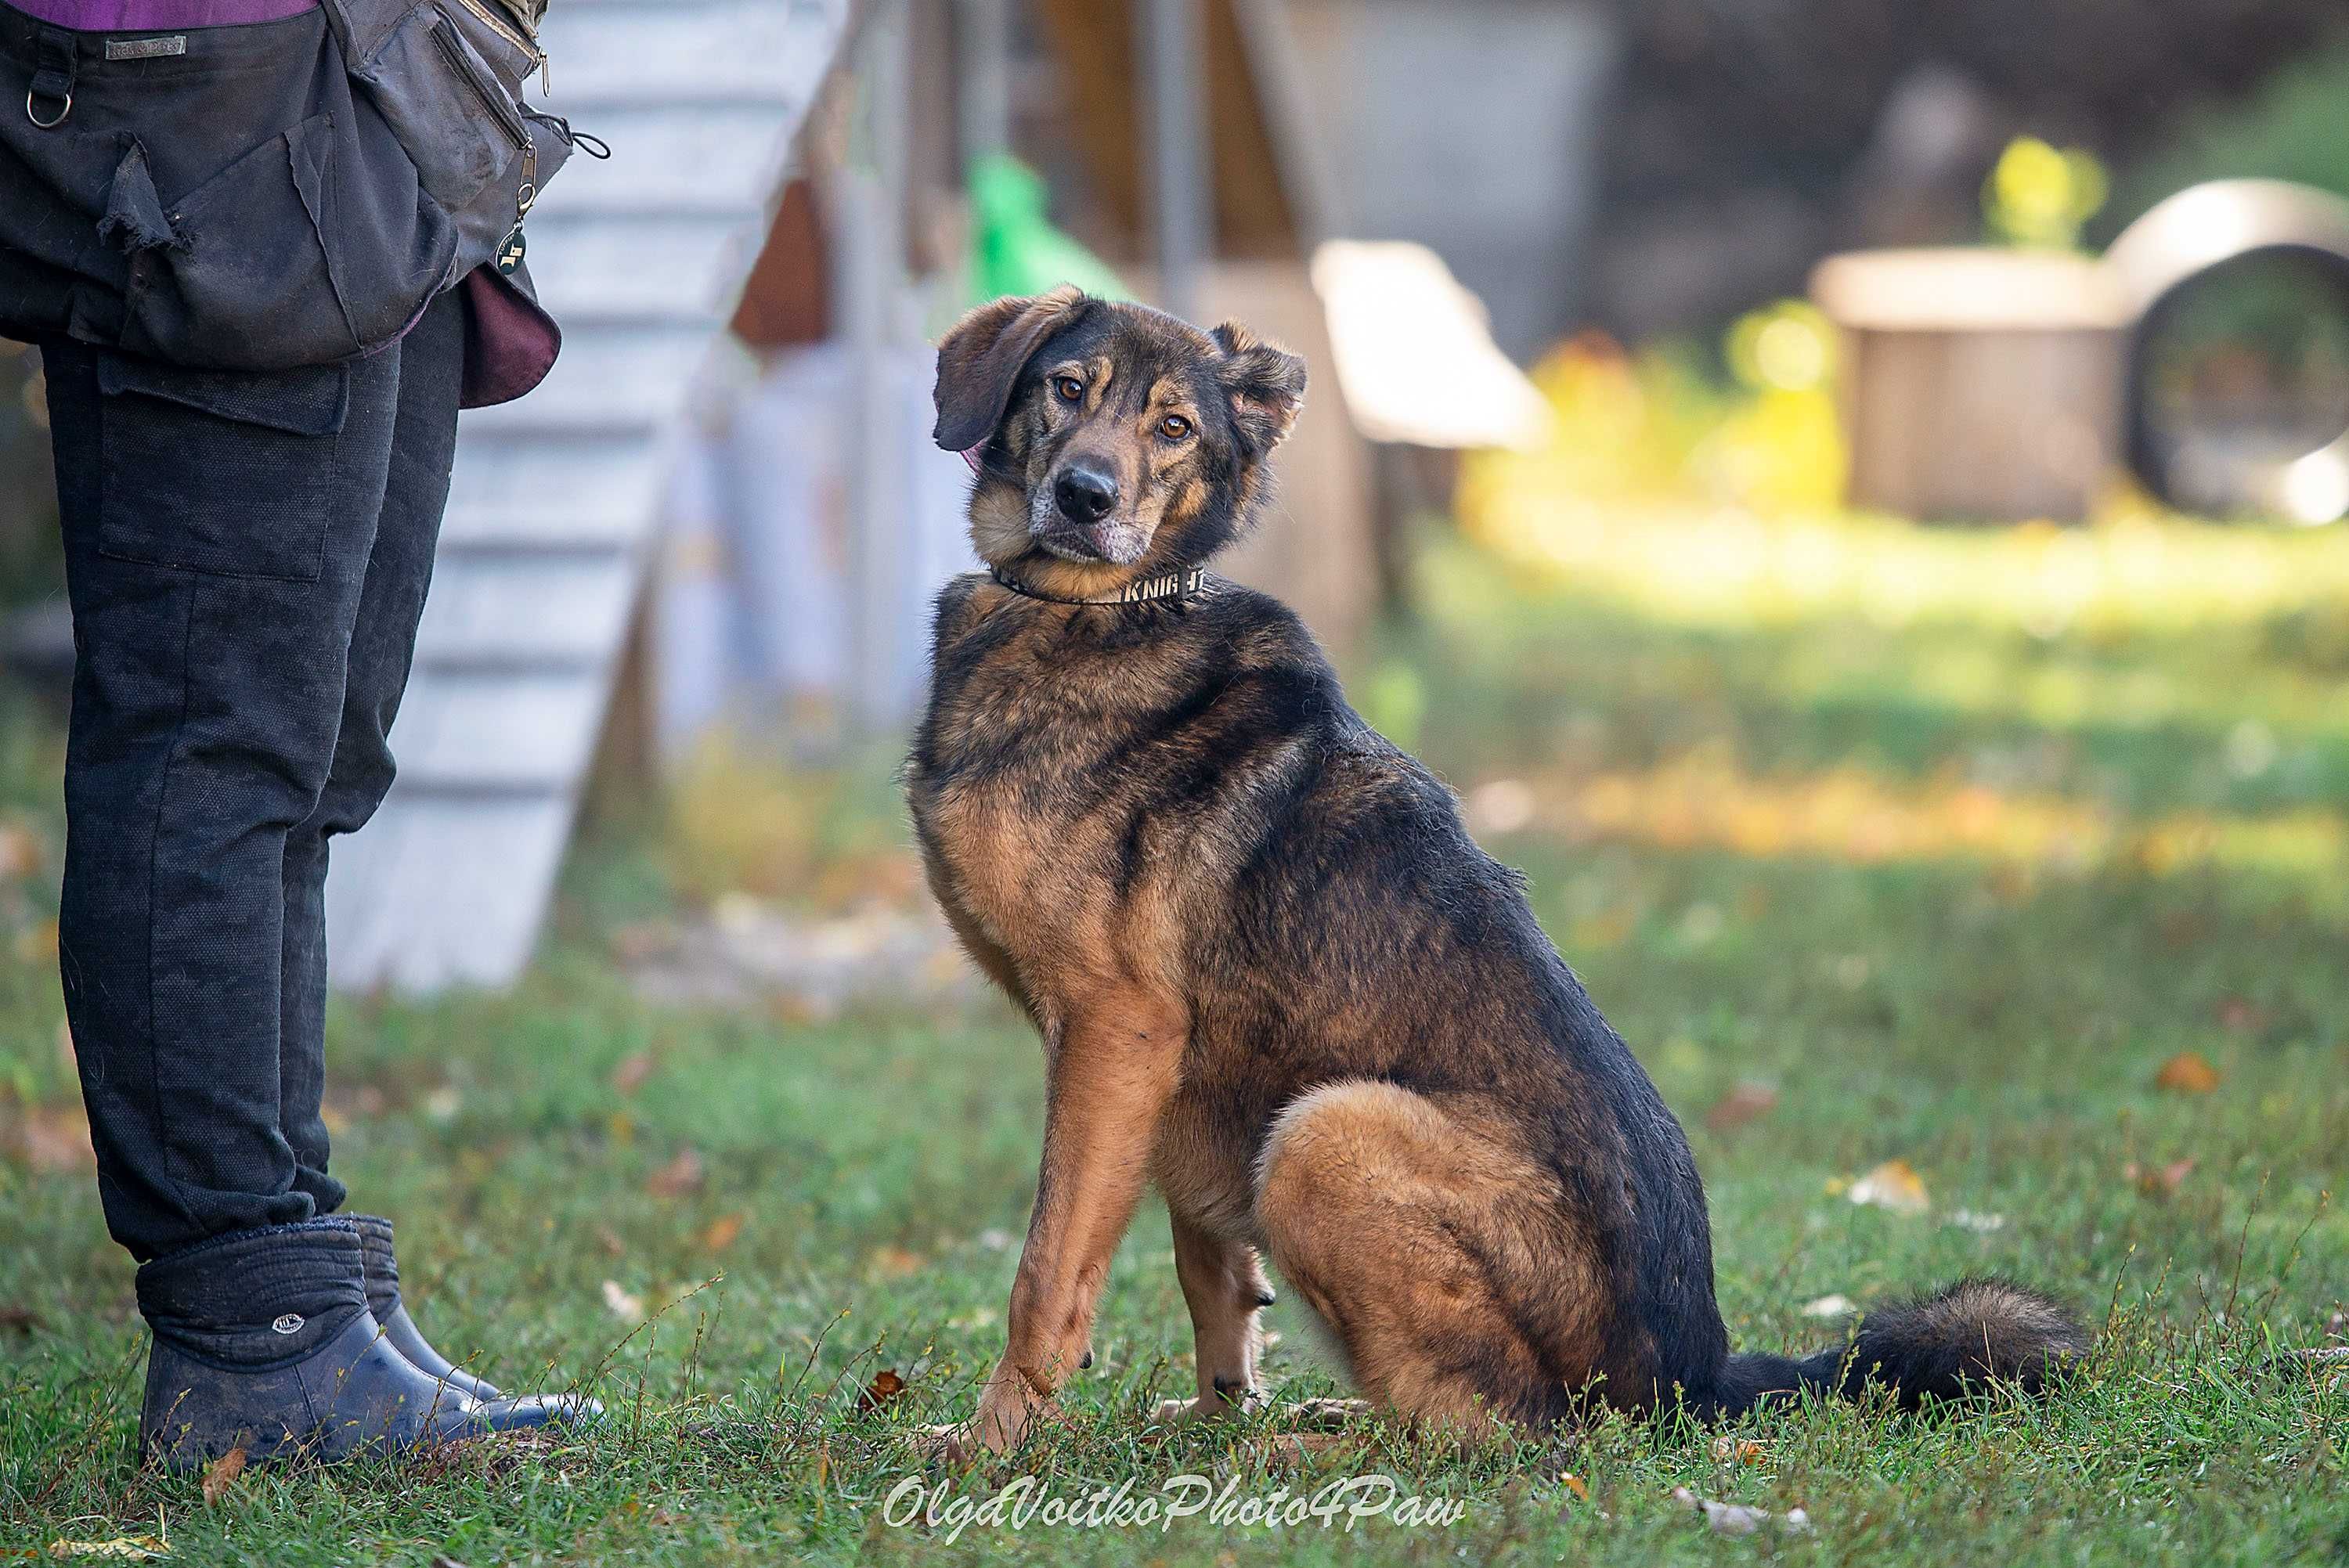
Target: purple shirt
x=155, y=16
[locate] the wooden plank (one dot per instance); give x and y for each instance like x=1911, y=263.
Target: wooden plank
x=693, y=158
x=507, y=611
x=560, y=490
x=1099, y=72
x=614, y=379
x=645, y=264
x=504, y=731
x=679, y=52
x=443, y=891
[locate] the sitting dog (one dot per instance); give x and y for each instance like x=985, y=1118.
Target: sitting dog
x=1273, y=973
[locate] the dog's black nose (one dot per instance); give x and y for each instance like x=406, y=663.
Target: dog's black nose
x=1085, y=495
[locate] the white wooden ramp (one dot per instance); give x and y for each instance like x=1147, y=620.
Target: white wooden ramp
x=557, y=497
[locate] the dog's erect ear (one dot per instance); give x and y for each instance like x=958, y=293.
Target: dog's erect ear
x=980, y=360
x=1266, y=384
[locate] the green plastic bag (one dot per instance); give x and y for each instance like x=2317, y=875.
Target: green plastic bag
x=1015, y=249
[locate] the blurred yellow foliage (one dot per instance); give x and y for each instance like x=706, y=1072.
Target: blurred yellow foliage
x=2040, y=196
x=1704, y=800
x=740, y=824
x=1652, y=427
x=737, y=822
x=1682, y=557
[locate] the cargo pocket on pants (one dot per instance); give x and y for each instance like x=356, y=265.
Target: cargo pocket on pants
x=218, y=471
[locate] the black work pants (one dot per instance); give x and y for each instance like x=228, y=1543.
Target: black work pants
x=247, y=557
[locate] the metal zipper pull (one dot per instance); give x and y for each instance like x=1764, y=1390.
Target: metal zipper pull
x=514, y=247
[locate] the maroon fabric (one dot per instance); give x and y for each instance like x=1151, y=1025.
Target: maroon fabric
x=155, y=16
x=509, y=340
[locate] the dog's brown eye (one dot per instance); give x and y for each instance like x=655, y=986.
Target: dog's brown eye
x=1175, y=426
x=1069, y=388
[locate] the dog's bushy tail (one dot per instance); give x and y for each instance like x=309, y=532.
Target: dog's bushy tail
x=1938, y=1347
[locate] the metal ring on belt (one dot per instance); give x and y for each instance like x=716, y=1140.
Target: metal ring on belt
x=63, y=114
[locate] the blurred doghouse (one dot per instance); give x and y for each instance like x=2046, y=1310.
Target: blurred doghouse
x=1199, y=155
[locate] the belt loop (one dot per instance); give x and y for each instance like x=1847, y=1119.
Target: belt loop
x=54, y=81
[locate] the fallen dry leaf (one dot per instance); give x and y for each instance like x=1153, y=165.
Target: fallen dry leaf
x=220, y=1475
x=2157, y=1181
x=20, y=851
x=1736, y=1451
x=681, y=1175
x=37, y=943
x=722, y=1231
x=1575, y=1484
x=49, y=1138
x=886, y=1385
x=1746, y=1102
x=1893, y=1185
x=1737, y=1518
x=896, y=1263
x=627, y=1308
x=632, y=1072
x=2187, y=1073
x=125, y=1548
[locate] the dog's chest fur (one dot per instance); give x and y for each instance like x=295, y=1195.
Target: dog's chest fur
x=1085, y=776
x=1086, y=787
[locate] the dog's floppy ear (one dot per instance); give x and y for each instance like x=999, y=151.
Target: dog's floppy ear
x=980, y=360
x=1266, y=384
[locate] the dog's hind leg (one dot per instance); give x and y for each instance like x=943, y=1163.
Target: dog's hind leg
x=1442, y=1259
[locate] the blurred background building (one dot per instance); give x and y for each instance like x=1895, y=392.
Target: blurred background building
x=1759, y=254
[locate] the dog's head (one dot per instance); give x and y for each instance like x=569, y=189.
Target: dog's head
x=1112, y=441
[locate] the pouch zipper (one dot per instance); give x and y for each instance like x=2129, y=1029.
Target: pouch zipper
x=514, y=35
x=509, y=120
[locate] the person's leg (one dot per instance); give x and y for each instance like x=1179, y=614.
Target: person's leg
x=220, y=533
x=381, y=648
x=217, y=533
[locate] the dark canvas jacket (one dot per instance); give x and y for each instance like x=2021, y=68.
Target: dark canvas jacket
x=275, y=193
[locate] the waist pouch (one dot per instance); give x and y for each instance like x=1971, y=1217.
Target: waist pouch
x=266, y=196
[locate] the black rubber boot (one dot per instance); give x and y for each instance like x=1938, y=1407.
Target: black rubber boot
x=380, y=1263
x=382, y=1278
x=263, y=1342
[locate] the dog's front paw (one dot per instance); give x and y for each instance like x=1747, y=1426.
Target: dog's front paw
x=956, y=1445
x=1005, y=1418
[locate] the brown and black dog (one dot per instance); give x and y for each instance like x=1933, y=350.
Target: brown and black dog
x=1273, y=973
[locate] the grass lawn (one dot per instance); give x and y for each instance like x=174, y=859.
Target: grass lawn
x=2029, y=873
